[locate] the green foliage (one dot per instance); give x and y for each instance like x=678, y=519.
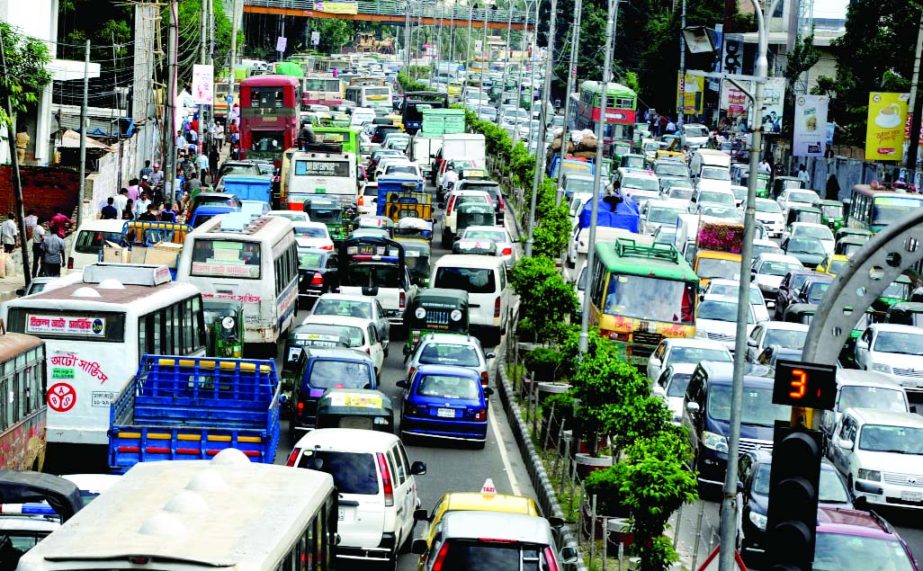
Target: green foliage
x=552, y=233
x=630, y=79
x=607, y=486
x=546, y=301
x=643, y=417
x=563, y=404
x=529, y=271
x=189, y=18
x=409, y=84
x=334, y=34
x=542, y=359
x=25, y=76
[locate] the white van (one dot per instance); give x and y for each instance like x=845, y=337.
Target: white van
x=708, y=157
x=375, y=480
x=489, y=295
x=89, y=240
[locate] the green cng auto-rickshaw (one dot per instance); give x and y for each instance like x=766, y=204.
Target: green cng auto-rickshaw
x=224, y=326
x=803, y=214
x=417, y=253
x=355, y=408
x=832, y=213
x=436, y=310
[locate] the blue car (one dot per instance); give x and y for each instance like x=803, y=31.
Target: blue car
x=327, y=369
x=445, y=402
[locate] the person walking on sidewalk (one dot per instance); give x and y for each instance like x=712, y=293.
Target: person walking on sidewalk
x=38, y=237
x=202, y=164
x=8, y=233
x=59, y=224
x=109, y=211
x=53, y=254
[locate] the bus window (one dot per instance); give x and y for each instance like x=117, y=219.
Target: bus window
x=266, y=97
x=226, y=258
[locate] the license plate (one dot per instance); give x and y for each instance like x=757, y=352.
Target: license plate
x=445, y=413
x=912, y=496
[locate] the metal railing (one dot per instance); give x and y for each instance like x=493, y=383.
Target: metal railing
x=399, y=8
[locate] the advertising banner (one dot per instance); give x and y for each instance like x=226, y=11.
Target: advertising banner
x=884, y=135
x=810, y=129
x=694, y=94
x=734, y=100
x=340, y=7
x=773, y=105
x=203, y=84
x=37, y=324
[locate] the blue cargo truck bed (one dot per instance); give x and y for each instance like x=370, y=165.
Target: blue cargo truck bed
x=191, y=408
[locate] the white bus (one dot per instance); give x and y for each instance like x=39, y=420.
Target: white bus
x=224, y=514
x=329, y=174
x=377, y=97
x=95, y=332
x=253, y=261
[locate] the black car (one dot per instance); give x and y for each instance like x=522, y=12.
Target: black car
x=788, y=289
x=317, y=275
x=754, y=469
x=380, y=131
x=813, y=289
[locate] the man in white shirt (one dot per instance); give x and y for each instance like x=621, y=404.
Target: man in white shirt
x=38, y=236
x=120, y=201
x=449, y=179
x=803, y=176
x=140, y=206
x=8, y=233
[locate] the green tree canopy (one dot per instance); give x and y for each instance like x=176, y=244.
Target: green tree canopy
x=25, y=75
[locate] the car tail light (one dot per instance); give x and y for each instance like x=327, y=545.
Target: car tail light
x=501, y=204
x=361, y=200
x=300, y=407
x=368, y=351
x=440, y=557
x=550, y=559
x=402, y=300
x=481, y=415
x=293, y=457
x=451, y=204
x=485, y=378
x=507, y=251
x=497, y=307
x=327, y=247
x=386, y=479
x=317, y=280
x=490, y=201
x=70, y=263
x=411, y=372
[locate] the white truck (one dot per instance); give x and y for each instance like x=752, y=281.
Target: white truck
x=459, y=147
x=425, y=150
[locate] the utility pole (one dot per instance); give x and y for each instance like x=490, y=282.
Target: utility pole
x=571, y=80
x=407, y=40
x=170, y=166
x=234, y=9
x=83, y=132
x=485, y=56
x=910, y=157
x=118, y=106
x=681, y=109
x=468, y=50
x=532, y=65
x=14, y=167
x=543, y=121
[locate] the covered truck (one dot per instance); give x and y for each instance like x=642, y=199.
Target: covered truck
x=249, y=187
x=717, y=250
x=615, y=218
x=191, y=408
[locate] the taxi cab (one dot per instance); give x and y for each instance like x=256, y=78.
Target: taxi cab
x=487, y=500
x=833, y=265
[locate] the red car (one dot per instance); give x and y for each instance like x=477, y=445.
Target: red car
x=854, y=540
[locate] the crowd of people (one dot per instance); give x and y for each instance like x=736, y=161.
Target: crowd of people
x=45, y=236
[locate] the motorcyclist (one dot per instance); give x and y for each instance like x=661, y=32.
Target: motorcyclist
x=449, y=179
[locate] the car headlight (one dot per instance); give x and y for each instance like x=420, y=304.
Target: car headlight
x=456, y=315
x=759, y=520
x=871, y=475
x=701, y=334
x=714, y=441
x=228, y=322
x=420, y=313
x=881, y=368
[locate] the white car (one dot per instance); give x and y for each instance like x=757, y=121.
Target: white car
x=695, y=135
x=780, y=333
x=863, y=389
x=363, y=335
x=712, y=197
x=387, y=160
x=401, y=167
x=716, y=319
x=455, y=199
x=813, y=231
x=730, y=288
x=797, y=197
x=367, y=201
x=678, y=350
x=769, y=214
x=714, y=178
x=768, y=270
x=362, y=306
x=293, y=215
x=895, y=350
x=312, y=235
x=671, y=387
x=656, y=213
x=489, y=293
x=376, y=485
x=499, y=236
x=881, y=454
x=640, y=186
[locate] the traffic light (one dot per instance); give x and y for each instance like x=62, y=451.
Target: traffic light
x=793, y=495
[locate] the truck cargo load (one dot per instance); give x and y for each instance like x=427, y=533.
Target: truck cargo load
x=611, y=213
x=191, y=408
x=720, y=237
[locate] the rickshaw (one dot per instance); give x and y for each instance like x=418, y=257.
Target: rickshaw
x=224, y=327
x=474, y=214
x=803, y=214
x=782, y=182
x=832, y=213
x=846, y=231
x=307, y=336
x=331, y=213
x=436, y=310
x=418, y=254
x=849, y=245
x=355, y=408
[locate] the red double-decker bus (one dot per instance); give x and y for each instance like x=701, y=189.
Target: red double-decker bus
x=268, y=117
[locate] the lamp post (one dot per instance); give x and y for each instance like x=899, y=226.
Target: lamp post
x=468, y=46
x=571, y=80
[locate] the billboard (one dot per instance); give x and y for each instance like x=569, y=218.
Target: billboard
x=203, y=83
x=694, y=94
x=773, y=105
x=341, y=7
x=810, y=129
x=884, y=135
x=734, y=100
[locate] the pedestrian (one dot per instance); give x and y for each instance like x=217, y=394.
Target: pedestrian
x=219, y=138
x=180, y=140
x=141, y=205
x=833, y=188
x=52, y=254
x=146, y=171
x=128, y=213
x=168, y=214
x=670, y=127
x=134, y=191
x=202, y=164
x=59, y=224
x=213, y=158
x=9, y=232
x=120, y=200
x=803, y=176
x=109, y=211
x=193, y=136
x=149, y=214
x=234, y=115
x=765, y=166
x=157, y=176
x=38, y=236
x=235, y=152
x=193, y=185
x=30, y=222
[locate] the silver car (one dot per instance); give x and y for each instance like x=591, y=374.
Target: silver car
x=499, y=236
x=356, y=306
x=449, y=349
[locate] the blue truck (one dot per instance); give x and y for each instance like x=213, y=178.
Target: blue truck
x=191, y=408
x=249, y=187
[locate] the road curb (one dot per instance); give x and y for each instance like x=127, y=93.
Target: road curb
x=541, y=483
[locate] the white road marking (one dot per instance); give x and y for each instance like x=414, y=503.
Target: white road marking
x=501, y=445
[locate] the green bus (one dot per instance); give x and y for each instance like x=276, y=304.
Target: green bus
x=349, y=136
x=872, y=210
x=641, y=294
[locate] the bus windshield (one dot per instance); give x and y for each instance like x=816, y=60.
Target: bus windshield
x=887, y=209
x=650, y=299
x=226, y=258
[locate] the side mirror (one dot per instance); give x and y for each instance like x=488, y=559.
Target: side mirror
x=21, y=292
x=842, y=443
x=418, y=547
x=403, y=384
x=418, y=468
x=555, y=522
x=751, y=343
x=490, y=356
x=367, y=386
x=692, y=408
x=283, y=399
x=420, y=515
x=488, y=391
x=569, y=555
x=861, y=503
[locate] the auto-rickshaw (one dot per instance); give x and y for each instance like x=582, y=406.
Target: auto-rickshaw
x=224, y=327
x=849, y=245
x=474, y=214
x=417, y=252
x=832, y=213
x=899, y=290
x=411, y=227
x=846, y=231
x=437, y=310
x=803, y=214
x=307, y=336
x=800, y=313
x=782, y=182
x=331, y=213
x=355, y=408
x=400, y=198
x=375, y=222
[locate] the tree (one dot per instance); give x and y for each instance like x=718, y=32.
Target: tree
x=334, y=34
x=190, y=17
x=25, y=76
